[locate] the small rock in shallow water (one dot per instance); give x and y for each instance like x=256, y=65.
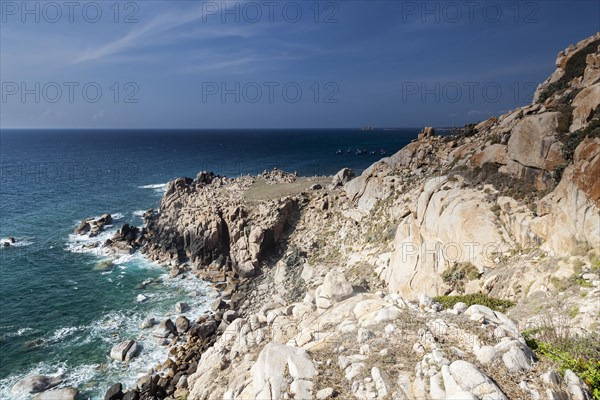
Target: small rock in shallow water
x=148, y=323
x=104, y=266
x=181, y=307
x=165, y=328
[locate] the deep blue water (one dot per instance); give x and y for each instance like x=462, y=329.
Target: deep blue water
x=58, y=312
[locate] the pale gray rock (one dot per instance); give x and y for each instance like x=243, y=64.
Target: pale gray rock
x=148, y=323
x=551, y=378
x=181, y=307
x=182, y=324
x=344, y=176
x=66, y=393
x=472, y=379
x=334, y=288
x=125, y=350
x=165, y=328
x=576, y=387
x=516, y=361
x=325, y=394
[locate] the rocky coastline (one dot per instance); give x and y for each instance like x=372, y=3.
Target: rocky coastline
x=348, y=286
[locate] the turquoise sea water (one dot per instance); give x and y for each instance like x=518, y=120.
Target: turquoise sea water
x=59, y=313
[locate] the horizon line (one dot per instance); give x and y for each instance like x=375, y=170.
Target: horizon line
x=365, y=129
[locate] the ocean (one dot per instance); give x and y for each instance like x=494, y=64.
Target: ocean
x=60, y=311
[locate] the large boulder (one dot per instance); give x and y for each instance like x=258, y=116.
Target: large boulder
x=533, y=142
x=373, y=185
x=115, y=392
x=283, y=369
x=584, y=105
x=36, y=384
x=343, y=176
x=125, y=350
x=335, y=288
x=165, y=328
x=471, y=379
x=495, y=153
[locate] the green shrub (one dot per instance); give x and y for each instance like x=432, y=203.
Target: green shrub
x=477, y=298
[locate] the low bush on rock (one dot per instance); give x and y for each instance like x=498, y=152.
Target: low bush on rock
x=579, y=354
x=477, y=298
x=457, y=275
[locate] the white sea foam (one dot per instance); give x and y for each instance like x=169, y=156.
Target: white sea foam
x=10, y=332
x=157, y=187
x=113, y=327
x=93, y=245
x=153, y=186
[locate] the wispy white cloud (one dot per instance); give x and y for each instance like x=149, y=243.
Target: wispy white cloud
x=140, y=36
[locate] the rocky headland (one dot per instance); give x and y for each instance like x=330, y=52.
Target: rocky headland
x=462, y=267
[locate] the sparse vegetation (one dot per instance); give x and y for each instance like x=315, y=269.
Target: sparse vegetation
x=558, y=172
x=574, y=311
x=495, y=139
x=477, y=298
x=467, y=131
x=565, y=118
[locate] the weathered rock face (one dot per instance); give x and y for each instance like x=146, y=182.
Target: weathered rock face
x=584, y=104
x=269, y=373
x=591, y=71
x=208, y=222
x=496, y=153
x=427, y=132
x=450, y=225
x=533, y=147
x=571, y=214
x=373, y=185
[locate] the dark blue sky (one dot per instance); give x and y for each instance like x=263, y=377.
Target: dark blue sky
x=261, y=64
